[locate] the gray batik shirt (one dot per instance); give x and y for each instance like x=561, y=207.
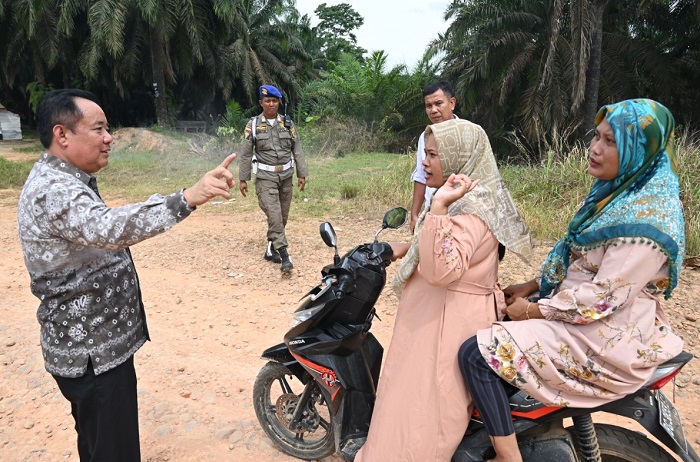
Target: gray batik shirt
x=76, y=252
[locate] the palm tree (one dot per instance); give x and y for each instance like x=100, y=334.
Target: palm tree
x=350, y=89
x=37, y=50
x=507, y=66
x=265, y=48
x=151, y=41
x=675, y=27
x=540, y=65
x=587, y=38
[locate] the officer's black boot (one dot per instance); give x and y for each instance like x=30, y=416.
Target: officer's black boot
x=286, y=260
x=271, y=254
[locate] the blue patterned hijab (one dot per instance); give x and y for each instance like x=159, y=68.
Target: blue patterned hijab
x=642, y=204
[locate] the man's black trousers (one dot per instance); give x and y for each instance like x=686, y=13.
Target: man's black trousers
x=105, y=410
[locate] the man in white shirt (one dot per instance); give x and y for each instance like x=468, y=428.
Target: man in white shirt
x=439, y=106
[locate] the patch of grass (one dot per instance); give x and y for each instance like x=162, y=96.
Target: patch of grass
x=352, y=184
x=135, y=175
x=393, y=187
x=28, y=149
x=349, y=191
x=689, y=154
x=548, y=196
x=13, y=174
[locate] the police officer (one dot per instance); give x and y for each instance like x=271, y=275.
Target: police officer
x=271, y=149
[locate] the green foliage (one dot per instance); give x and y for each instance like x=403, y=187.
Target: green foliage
x=36, y=91
x=205, y=51
x=387, y=103
x=335, y=31
x=367, y=178
x=266, y=48
x=393, y=186
x=232, y=123
x=515, y=64
x=352, y=90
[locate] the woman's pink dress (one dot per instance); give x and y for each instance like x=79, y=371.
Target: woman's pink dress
x=604, y=335
x=422, y=407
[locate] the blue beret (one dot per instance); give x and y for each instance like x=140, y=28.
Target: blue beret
x=269, y=90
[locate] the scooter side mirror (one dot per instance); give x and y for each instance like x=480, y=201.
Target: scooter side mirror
x=328, y=234
x=395, y=218
x=330, y=238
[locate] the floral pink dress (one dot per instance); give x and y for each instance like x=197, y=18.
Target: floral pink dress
x=422, y=407
x=604, y=332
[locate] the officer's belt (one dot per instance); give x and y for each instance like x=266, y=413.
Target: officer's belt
x=276, y=168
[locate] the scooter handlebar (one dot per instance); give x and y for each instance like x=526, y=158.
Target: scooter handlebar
x=344, y=283
x=384, y=250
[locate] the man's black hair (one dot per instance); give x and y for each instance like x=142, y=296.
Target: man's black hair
x=58, y=107
x=443, y=85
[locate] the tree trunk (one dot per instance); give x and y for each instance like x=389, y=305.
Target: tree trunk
x=590, y=104
x=158, y=82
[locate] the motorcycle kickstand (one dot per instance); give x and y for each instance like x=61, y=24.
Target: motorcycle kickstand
x=587, y=438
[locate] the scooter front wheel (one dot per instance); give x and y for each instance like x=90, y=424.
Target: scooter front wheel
x=276, y=397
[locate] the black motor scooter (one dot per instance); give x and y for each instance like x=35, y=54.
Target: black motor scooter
x=316, y=394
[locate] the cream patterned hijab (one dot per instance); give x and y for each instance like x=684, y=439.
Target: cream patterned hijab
x=463, y=147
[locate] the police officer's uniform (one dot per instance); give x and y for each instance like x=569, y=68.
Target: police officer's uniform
x=272, y=150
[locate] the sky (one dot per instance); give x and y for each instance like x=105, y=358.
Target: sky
x=402, y=28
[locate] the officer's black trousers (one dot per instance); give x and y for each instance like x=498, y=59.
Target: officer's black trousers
x=105, y=410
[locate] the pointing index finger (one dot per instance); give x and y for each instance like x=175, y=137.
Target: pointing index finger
x=228, y=161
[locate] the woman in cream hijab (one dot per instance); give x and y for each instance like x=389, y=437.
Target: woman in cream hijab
x=448, y=285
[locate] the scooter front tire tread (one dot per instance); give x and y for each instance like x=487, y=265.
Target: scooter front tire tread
x=274, y=428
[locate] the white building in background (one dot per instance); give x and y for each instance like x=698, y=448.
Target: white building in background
x=10, y=128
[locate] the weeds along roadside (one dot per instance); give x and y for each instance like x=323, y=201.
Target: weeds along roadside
x=365, y=185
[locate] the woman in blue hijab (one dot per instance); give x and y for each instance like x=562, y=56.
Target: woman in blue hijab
x=597, y=332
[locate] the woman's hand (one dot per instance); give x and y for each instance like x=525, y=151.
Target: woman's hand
x=515, y=291
x=399, y=249
x=520, y=309
x=454, y=189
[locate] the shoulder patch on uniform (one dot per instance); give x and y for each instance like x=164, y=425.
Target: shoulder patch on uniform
x=293, y=131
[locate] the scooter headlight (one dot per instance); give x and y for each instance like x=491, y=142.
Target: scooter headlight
x=304, y=315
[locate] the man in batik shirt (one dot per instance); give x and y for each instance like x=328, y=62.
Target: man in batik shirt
x=76, y=250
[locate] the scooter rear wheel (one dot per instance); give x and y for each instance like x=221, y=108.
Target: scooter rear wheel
x=276, y=394
x=619, y=444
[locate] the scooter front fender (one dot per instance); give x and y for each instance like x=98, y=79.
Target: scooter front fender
x=280, y=353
